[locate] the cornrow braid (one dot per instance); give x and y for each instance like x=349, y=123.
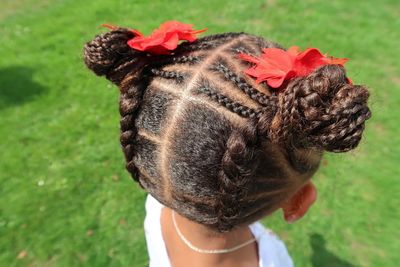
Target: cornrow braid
x=178, y=77
x=235, y=107
x=208, y=42
x=240, y=48
x=243, y=85
x=186, y=59
x=239, y=163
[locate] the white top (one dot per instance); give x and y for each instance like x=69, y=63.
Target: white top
x=271, y=250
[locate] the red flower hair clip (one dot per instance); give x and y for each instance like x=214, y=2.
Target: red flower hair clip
x=275, y=66
x=164, y=39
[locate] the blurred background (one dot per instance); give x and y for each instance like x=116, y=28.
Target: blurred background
x=65, y=197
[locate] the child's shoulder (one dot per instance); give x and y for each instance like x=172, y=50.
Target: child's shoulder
x=272, y=251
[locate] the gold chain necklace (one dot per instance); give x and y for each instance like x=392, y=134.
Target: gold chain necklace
x=207, y=251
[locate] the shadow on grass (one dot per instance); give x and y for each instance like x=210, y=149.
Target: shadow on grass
x=321, y=257
x=17, y=86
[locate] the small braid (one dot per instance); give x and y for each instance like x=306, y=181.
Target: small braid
x=239, y=50
x=243, y=85
x=207, y=42
x=160, y=62
x=288, y=112
x=178, y=77
x=229, y=104
x=130, y=99
x=186, y=59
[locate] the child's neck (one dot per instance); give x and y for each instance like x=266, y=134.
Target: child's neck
x=204, y=238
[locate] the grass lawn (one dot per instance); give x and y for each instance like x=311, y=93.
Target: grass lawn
x=66, y=199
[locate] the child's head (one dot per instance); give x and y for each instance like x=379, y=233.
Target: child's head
x=207, y=141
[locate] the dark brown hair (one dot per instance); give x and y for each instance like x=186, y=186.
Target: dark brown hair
x=207, y=141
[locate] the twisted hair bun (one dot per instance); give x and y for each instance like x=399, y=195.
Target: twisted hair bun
x=109, y=55
x=322, y=110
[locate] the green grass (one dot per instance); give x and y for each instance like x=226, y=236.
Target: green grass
x=66, y=199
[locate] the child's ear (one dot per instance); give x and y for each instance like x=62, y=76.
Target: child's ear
x=298, y=205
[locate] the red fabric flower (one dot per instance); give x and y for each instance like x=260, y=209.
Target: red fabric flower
x=164, y=39
x=276, y=65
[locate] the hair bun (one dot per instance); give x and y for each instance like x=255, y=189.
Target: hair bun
x=109, y=55
x=323, y=110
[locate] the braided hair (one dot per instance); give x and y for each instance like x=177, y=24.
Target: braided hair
x=207, y=141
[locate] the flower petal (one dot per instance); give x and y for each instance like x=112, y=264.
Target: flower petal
x=275, y=65
x=308, y=61
x=339, y=61
x=171, y=42
x=293, y=51
x=249, y=58
x=166, y=38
